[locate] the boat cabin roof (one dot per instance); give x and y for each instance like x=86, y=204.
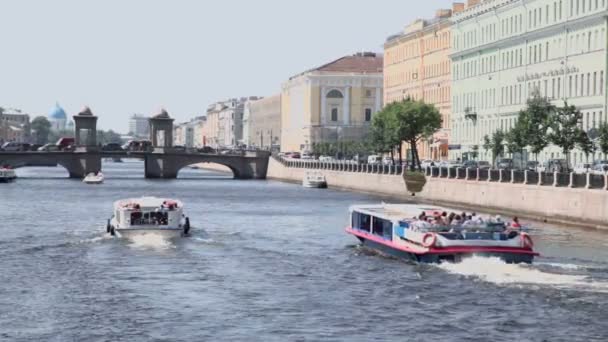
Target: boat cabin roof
x=396, y=212
x=148, y=203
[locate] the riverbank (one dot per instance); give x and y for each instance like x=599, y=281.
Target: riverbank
x=581, y=207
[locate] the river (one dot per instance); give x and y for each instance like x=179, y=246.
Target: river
x=268, y=261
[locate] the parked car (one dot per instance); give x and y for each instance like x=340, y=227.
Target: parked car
x=306, y=155
x=599, y=169
x=552, y=165
x=111, y=147
x=583, y=168
x=296, y=155
x=450, y=163
x=65, y=143
x=470, y=164
x=387, y=161
x=209, y=149
x=48, y=148
x=532, y=165
x=35, y=147
x=326, y=159
x=484, y=165
x=374, y=159
x=505, y=164
x=427, y=163
x=138, y=146
x=15, y=147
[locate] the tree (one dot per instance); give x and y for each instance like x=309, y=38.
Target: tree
x=416, y=120
x=383, y=135
x=517, y=137
x=566, y=131
x=495, y=144
x=602, y=138
x=536, y=121
x=42, y=128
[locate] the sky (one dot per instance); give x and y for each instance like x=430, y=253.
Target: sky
x=121, y=57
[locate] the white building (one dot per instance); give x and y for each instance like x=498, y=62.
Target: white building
x=138, y=125
x=503, y=50
x=225, y=120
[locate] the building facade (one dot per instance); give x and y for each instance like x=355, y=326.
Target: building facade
x=263, y=124
x=224, y=122
x=506, y=50
x=14, y=126
x=334, y=102
x=417, y=65
x=138, y=126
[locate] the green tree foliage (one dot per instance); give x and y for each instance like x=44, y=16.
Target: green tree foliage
x=602, y=138
x=41, y=127
x=536, y=122
x=495, y=144
x=517, y=138
x=106, y=137
x=407, y=121
x=566, y=131
x=384, y=132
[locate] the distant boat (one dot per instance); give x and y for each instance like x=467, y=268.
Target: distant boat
x=7, y=175
x=149, y=215
x=314, y=179
x=94, y=178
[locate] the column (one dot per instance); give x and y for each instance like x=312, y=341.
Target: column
x=323, y=106
x=346, y=106
x=378, y=100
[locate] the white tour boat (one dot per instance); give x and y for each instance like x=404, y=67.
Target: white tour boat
x=314, y=179
x=7, y=175
x=151, y=215
x=405, y=231
x=94, y=178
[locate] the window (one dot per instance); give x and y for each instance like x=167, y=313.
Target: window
x=368, y=114
x=368, y=93
x=361, y=221
x=334, y=94
x=334, y=114
x=382, y=228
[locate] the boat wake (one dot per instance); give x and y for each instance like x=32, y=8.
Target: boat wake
x=150, y=241
x=494, y=270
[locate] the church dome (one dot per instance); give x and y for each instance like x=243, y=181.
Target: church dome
x=57, y=113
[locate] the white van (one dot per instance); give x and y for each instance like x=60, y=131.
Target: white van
x=374, y=160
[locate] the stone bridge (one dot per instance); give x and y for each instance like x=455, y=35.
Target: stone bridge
x=165, y=164
x=163, y=161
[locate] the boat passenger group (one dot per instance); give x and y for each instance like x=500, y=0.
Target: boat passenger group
x=450, y=222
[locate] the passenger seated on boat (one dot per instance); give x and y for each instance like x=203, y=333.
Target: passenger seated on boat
x=515, y=223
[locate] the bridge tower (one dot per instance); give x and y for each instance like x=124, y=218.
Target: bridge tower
x=86, y=157
x=161, y=130
x=85, y=121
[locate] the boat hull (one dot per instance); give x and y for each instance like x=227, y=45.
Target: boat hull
x=7, y=179
x=165, y=233
x=438, y=255
x=315, y=185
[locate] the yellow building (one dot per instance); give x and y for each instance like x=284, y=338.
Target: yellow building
x=417, y=65
x=334, y=102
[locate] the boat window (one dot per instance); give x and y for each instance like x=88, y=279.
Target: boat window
x=152, y=218
x=361, y=221
x=383, y=228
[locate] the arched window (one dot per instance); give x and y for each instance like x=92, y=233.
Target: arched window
x=334, y=94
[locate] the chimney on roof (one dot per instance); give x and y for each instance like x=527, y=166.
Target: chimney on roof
x=471, y=3
x=443, y=13
x=457, y=7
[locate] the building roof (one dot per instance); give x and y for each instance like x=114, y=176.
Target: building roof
x=86, y=111
x=57, y=113
x=362, y=63
x=162, y=115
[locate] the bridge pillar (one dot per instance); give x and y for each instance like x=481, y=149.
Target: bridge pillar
x=159, y=165
x=81, y=164
x=85, y=121
x=161, y=130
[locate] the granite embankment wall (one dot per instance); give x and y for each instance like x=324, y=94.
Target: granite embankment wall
x=581, y=207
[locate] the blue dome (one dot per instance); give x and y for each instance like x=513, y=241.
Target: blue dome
x=57, y=113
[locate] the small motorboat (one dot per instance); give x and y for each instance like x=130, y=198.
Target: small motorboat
x=398, y=230
x=94, y=178
x=314, y=179
x=148, y=215
x=7, y=175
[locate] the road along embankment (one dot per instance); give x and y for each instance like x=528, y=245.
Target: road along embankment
x=578, y=207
